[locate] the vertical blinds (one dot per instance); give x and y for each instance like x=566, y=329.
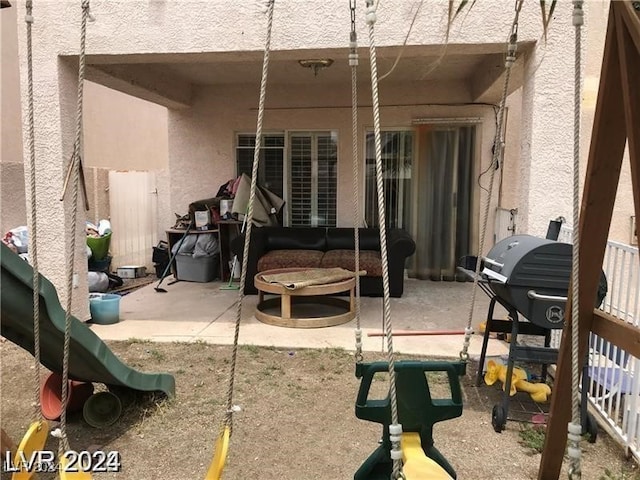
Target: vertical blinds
x=397, y=166
x=271, y=166
x=310, y=190
x=327, y=181
x=313, y=181
x=301, y=184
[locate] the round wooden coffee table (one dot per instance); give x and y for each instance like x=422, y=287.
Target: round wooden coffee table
x=308, y=307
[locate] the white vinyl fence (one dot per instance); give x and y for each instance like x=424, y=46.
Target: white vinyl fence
x=133, y=200
x=613, y=375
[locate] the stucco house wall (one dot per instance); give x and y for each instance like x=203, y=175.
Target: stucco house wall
x=133, y=28
x=514, y=173
x=202, y=139
x=12, y=200
x=203, y=119
x=120, y=132
x=551, y=117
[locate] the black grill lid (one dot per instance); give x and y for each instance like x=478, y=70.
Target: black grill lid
x=525, y=260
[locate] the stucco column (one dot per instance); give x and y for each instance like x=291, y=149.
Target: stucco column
x=54, y=107
x=546, y=155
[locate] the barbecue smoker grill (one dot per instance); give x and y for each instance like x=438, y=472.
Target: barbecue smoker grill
x=529, y=277
x=532, y=275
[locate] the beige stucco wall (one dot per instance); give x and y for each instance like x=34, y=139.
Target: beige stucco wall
x=202, y=139
x=123, y=132
x=509, y=186
x=120, y=132
x=516, y=174
x=133, y=27
x=12, y=200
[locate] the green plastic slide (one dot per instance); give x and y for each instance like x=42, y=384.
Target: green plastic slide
x=90, y=359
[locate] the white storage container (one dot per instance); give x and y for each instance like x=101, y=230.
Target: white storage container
x=132, y=271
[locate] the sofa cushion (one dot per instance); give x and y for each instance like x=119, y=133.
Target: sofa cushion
x=304, y=238
x=342, y=239
x=289, y=259
x=369, y=261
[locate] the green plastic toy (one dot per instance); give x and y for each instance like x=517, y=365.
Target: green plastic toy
x=417, y=410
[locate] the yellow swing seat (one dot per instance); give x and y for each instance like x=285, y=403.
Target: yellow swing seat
x=33, y=441
x=416, y=465
x=220, y=455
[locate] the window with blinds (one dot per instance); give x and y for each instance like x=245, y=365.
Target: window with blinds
x=397, y=166
x=313, y=160
x=310, y=190
x=271, y=160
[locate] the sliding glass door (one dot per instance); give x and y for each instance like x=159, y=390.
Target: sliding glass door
x=427, y=177
x=397, y=170
x=443, y=221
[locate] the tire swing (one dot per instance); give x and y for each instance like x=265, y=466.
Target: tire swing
x=409, y=412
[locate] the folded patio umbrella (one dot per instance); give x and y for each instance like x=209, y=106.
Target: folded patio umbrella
x=266, y=205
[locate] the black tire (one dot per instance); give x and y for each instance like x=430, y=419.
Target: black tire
x=498, y=418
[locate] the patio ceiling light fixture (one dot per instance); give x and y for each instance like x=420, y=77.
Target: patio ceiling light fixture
x=316, y=64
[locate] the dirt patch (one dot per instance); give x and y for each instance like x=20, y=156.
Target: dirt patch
x=297, y=420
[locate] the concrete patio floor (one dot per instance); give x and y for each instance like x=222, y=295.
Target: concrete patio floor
x=203, y=312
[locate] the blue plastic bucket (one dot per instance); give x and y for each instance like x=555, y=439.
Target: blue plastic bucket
x=104, y=308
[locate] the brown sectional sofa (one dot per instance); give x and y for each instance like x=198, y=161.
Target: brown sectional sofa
x=321, y=247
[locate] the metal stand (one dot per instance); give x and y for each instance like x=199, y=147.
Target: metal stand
x=541, y=355
x=544, y=356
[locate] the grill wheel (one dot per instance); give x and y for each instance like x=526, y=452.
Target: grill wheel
x=498, y=418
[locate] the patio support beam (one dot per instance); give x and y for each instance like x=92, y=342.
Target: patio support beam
x=487, y=80
x=137, y=80
x=613, y=116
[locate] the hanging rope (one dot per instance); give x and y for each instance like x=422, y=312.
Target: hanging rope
x=575, y=427
x=75, y=166
x=228, y=421
x=498, y=144
x=353, y=63
x=33, y=247
x=395, y=429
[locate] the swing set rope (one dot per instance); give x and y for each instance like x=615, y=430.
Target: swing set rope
x=254, y=176
x=498, y=144
x=353, y=63
x=74, y=167
x=33, y=246
x=575, y=426
x=222, y=444
x=395, y=429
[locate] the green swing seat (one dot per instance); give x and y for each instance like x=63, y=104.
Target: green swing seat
x=417, y=410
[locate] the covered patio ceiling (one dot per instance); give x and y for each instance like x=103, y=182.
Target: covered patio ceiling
x=170, y=79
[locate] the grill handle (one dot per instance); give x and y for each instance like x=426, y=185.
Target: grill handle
x=533, y=295
x=492, y=262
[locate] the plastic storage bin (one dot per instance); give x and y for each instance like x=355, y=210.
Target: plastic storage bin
x=202, y=269
x=104, y=308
